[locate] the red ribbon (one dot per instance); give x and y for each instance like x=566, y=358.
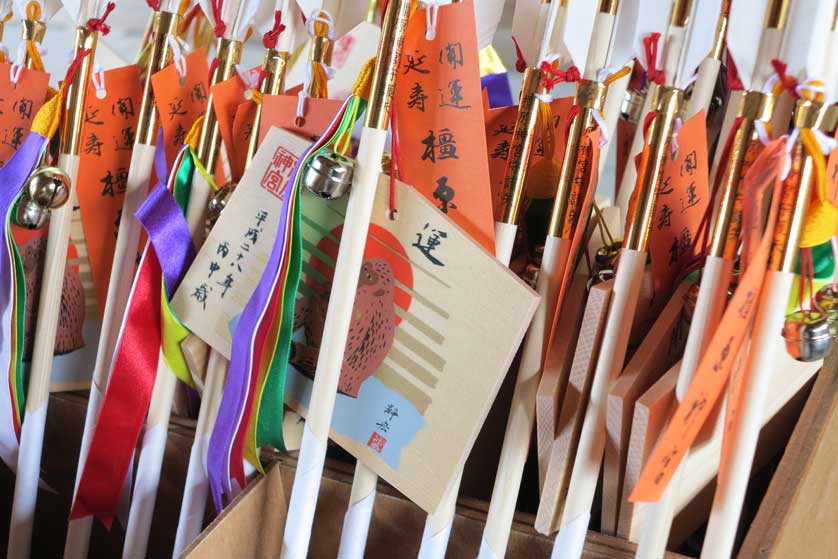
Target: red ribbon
x=650, y=45
x=126, y=399
x=550, y=75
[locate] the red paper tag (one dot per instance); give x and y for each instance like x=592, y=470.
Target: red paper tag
x=242, y=130
x=180, y=101
x=108, y=133
x=682, y=201
x=500, y=125
x=19, y=102
x=440, y=122
x=832, y=176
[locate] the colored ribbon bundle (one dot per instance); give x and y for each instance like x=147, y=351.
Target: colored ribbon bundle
x=148, y=324
x=262, y=337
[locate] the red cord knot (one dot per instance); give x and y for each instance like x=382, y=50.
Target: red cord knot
x=98, y=23
x=520, y=63
x=153, y=4
x=270, y=38
x=650, y=45
x=788, y=82
x=550, y=75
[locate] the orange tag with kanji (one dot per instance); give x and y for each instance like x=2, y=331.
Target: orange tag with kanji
x=438, y=101
x=242, y=130
x=19, y=101
x=500, y=126
x=683, y=196
x=723, y=351
x=180, y=100
x=832, y=175
x=281, y=111
x=110, y=123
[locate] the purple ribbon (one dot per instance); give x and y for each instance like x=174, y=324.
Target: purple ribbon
x=168, y=232
x=237, y=384
x=12, y=176
x=497, y=86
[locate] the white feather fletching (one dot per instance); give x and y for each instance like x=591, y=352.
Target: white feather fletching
x=575, y=38
x=348, y=14
x=524, y=28
x=248, y=10
x=5, y=8
x=804, y=44
x=623, y=34
x=487, y=14
x=701, y=34
x=550, y=23
x=307, y=7
x=48, y=8
x=744, y=29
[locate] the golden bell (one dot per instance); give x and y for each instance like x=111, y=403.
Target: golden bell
x=30, y=215
x=826, y=301
x=49, y=187
x=807, y=335
x=329, y=174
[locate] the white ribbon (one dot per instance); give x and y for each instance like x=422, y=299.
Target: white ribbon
x=676, y=130
x=177, y=55
x=248, y=76
x=17, y=66
x=827, y=143
x=431, y=16
x=323, y=16
x=790, y=141
x=98, y=80
x=762, y=132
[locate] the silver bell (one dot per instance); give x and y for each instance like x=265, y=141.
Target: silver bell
x=49, y=187
x=216, y=204
x=329, y=174
x=30, y=215
x=807, y=335
x=826, y=301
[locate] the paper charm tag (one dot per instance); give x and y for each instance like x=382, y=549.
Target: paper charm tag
x=440, y=120
x=110, y=122
x=19, y=102
x=437, y=336
x=240, y=138
x=180, y=101
x=832, y=176
x=683, y=196
x=349, y=54
x=718, y=360
x=281, y=111
x=227, y=98
x=500, y=125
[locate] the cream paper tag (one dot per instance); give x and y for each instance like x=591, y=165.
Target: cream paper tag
x=436, y=317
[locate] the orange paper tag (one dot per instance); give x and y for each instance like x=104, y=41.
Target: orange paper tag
x=439, y=117
x=110, y=121
x=281, y=110
x=719, y=359
x=683, y=196
x=180, y=101
x=500, y=125
x=227, y=96
x=18, y=104
x=832, y=175
x=585, y=183
x=242, y=129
